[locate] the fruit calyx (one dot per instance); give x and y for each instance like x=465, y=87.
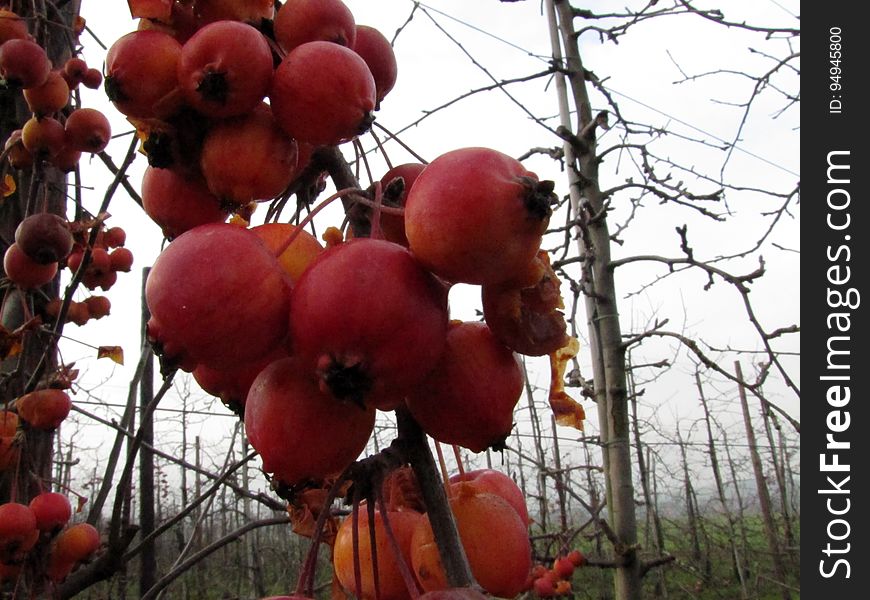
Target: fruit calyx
x=214, y=87
x=366, y=123
x=345, y=377
x=539, y=197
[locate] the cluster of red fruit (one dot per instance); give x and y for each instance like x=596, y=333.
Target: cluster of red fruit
x=56, y=134
x=556, y=581
x=43, y=527
x=194, y=79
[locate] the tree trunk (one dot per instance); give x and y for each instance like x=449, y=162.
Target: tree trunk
x=763, y=493
x=148, y=564
x=605, y=336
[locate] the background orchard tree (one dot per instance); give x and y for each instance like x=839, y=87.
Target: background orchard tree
x=663, y=233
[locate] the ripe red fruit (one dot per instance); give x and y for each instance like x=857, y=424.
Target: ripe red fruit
x=323, y=94
x=52, y=511
x=225, y=69
x=23, y=63
x=370, y=319
x=577, y=558
x=18, y=532
x=235, y=10
x=43, y=137
x=44, y=409
x=115, y=237
x=395, y=185
x=8, y=423
x=544, y=587
x=563, y=568
x=121, y=259
x=78, y=313
x=391, y=585
x=142, y=74
x=88, y=130
x=217, y=296
x=178, y=203
x=93, y=79
x=248, y=158
x=378, y=53
x=477, y=216
x=301, y=21
x=67, y=159
x=76, y=543
x=49, y=97
x=98, y=306
x=469, y=397
x=496, y=482
x=75, y=70
x=232, y=384
x=495, y=540
x=44, y=237
x=25, y=272
x=286, y=416
x=12, y=27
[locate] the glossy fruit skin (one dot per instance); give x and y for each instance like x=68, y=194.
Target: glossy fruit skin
x=217, y=296
x=377, y=52
x=323, y=94
x=298, y=255
x=25, y=272
x=23, y=63
x=87, y=130
x=395, y=185
x=469, y=397
x=225, y=69
x=44, y=237
x=248, y=158
x=232, y=385
x=370, y=319
x=52, y=511
x=178, y=203
x=301, y=21
x=18, y=532
x=493, y=536
x=44, y=409
x=142, y=74
x=286, y=416
x=476, y=215
x=496, y=482
x=390, y=581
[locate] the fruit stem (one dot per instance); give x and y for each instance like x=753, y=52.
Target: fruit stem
x=404, y=570
x=310, y=216
x=457, y=453
x=306, y=575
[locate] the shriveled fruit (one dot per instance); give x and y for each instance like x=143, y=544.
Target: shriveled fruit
x=323, y=93
x=178, y=203
x=493, y=536
x=225, y=69
x=476, y=215
x=527, y=317
x=469, y=397
x=391, y=585
x=248, y=158
x=142, y=74
x=286, y=416
x=25, y=272
x=369, y=319
x=44, y=409
x=301, y=21
x=217, y=296
x=378, y=53
x=44, y=237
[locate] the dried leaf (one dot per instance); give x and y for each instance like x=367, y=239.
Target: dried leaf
x=305, y=510
x=63, y=378
x=11, y=341
x=116, y=353
x=568, y=412
x=7, y=186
